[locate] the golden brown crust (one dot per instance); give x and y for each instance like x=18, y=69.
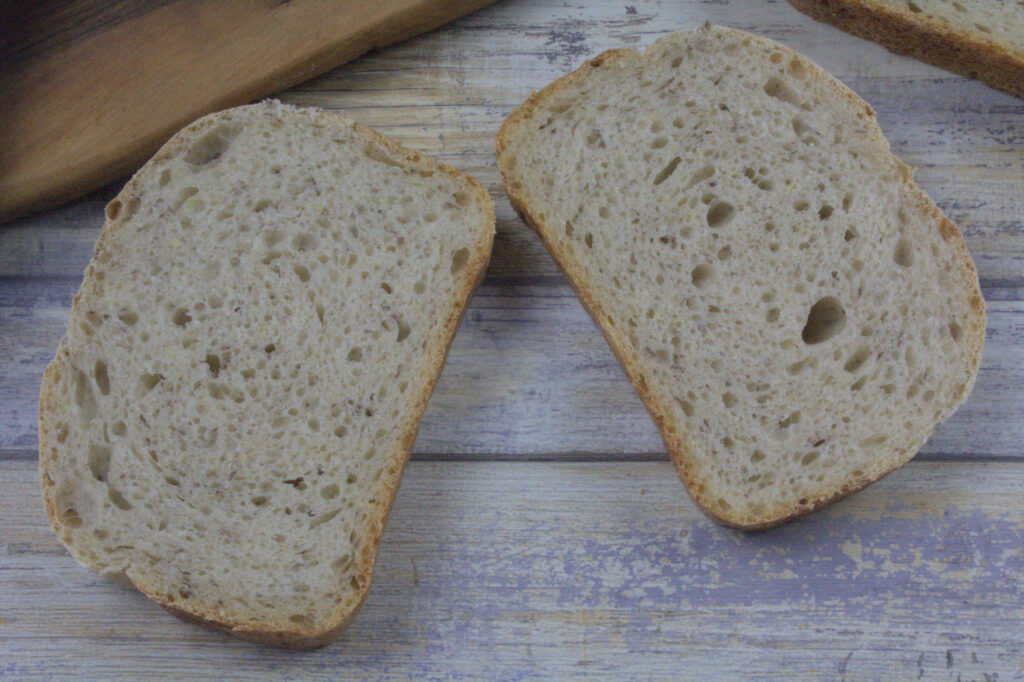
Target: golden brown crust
x=675, y=439
x=968, y=53
x=283, y=632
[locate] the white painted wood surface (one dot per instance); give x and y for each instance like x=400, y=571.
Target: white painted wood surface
x=518, y=570
x=539, y=531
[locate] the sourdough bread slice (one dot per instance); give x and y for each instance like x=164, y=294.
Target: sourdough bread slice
x=227, y=419
x=982, y=39
x=795, y=312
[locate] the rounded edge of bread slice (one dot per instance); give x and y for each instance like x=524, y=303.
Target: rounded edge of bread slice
x=278, y=631
x=672, y=433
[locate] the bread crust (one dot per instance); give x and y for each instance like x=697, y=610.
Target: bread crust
x=968, y=53
x=673, y=434
x=283, y=632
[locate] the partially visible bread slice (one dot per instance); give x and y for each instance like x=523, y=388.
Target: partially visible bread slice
x=982, y=39
x=795, y=312
x=227, y=420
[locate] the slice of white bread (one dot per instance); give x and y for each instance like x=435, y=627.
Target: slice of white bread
x=982, y=39
x=795, y=312
x=227, y=419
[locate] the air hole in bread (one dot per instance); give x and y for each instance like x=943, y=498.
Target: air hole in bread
x=780, y=90
x=302, y=272
x=825, y=212
x=659, y=142
x=271, y=237
x=69, y=516
x=148, y=382
x=379, y=154
x=955, y=332
x=128, y=317
x=667, y=171
x=102, y=380
x=825, y=320
x=180, y=317
x=213, y=363
x=809, y=458
x=132, y=207
x=903, y=254
x=355, y=355
x=118, y=500
x=210, y=147
x=305, y=242
x=687, y=407
x=99, y=460
x=857, y=360
x=459, y=259
x=700, y=175
x=323, y=518
x=720, y=214
x=850, y=234
x=184, y=194
x=703, y=275
x=801, y=128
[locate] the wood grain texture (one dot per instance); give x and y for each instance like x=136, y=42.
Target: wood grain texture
x=526, y=570
x=101, y=102
x=596, y=564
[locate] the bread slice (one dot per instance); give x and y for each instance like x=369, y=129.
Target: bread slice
x=227, y=419
x=982, y=39
x=795, y=312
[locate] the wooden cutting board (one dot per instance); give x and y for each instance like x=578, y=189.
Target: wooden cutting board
x=90, y=89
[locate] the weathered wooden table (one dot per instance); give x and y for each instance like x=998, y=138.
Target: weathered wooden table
x=540, y=530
